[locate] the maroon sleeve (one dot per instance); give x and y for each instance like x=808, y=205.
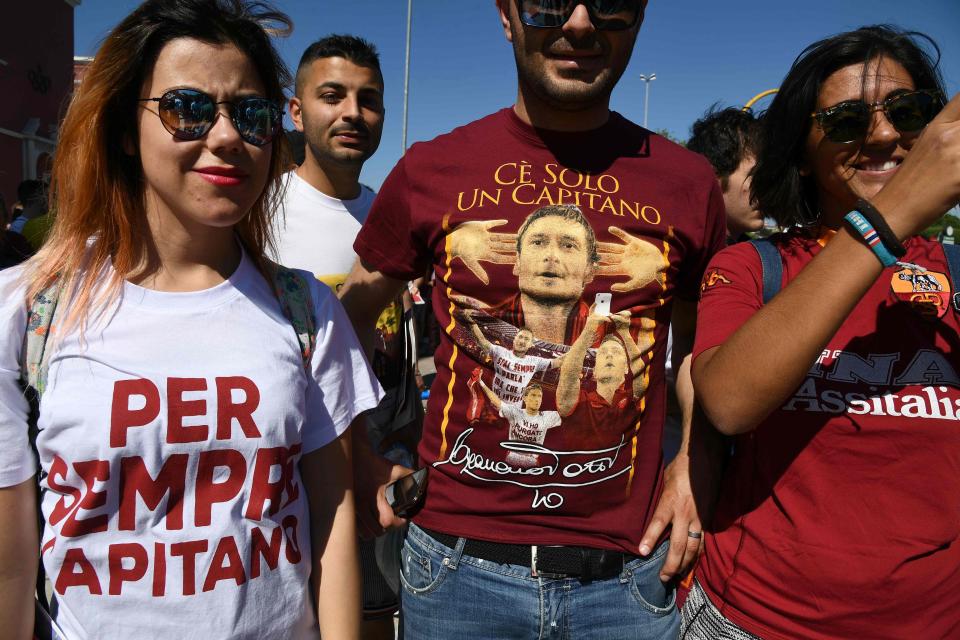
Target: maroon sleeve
x=731, y=293
x=388, y=240
x=714, y=239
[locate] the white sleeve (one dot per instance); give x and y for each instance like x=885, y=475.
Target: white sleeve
x=17, y=463
x=510, y=411
x=342, y=385
x=543, y=364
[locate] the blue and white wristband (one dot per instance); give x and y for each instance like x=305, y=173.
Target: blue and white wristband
x=862, y=226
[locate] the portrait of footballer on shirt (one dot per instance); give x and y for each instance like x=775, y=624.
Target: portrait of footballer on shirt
x=595, y=403
x=527, y=424
x=515, y=367
x=555, y=255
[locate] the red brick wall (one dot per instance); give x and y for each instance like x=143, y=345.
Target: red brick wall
x=36, y=41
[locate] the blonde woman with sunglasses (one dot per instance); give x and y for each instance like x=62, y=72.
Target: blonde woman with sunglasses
x=194, y=474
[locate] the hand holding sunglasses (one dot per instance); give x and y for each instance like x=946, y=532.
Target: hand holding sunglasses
x=849, y=121
x=189, y=114
x=606, y=15
x=927, y=184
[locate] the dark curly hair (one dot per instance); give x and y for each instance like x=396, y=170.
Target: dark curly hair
x=725, y=137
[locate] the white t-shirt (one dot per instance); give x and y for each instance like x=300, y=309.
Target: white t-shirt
x=513, y=374
x=527, y=428
x=171, y=437
x=315, y=232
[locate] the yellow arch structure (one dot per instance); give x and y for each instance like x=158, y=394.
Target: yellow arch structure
x=759, y=96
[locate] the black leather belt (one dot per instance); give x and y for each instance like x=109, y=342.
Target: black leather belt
x=584, y=563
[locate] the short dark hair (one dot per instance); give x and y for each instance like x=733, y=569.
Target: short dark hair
x=357, y=50
x=567, y=212
x=533, y=386
x=725, y=137
x=778, y=188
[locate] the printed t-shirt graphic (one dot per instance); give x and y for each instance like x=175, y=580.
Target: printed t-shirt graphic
x=523, y=228
x=852, y=482
x=512, y=374
x=525, y=427
x=170, y=438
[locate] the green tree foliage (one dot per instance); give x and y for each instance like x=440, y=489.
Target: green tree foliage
x=951, y=219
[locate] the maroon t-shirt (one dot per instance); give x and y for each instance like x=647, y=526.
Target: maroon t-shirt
x=839, y=515
x=616, y=211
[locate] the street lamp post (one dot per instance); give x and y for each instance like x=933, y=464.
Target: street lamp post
x=406, y=78
x=646, y=94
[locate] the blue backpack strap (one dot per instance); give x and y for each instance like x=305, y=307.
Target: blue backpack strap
x=293, y=292
x=952, y=252
x=772, y=267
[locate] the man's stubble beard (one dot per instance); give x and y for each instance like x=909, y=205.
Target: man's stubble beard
x=563, y=96
x=324, y=155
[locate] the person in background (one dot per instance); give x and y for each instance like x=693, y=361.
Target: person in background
x=838, y=515
x=729, y=138
x=338, y=109
x=195, y=467
x=498, y=549
x=34, y=220
x=32, y=197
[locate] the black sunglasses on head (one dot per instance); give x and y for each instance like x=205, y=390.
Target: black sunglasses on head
x=189, y=114
x=606, y=15
x=849, y=121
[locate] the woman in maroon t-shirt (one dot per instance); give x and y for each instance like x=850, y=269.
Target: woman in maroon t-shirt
x=838, y=516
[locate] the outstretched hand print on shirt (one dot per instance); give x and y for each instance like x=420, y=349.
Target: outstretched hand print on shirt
x=640, y=261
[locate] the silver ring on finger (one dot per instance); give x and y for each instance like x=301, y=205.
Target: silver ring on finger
x=696, y=535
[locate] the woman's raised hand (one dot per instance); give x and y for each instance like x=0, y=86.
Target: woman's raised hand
x=928, y=182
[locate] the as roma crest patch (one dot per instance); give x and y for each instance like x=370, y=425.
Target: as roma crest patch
x=926, y=291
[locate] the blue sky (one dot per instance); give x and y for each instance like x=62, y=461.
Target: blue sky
x=702, y=51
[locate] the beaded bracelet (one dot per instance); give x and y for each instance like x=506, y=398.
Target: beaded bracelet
x=862, y=226
x=887, y=236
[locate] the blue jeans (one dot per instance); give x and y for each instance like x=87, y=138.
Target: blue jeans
x=447, y=595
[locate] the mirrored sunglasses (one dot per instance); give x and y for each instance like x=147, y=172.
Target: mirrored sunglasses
x=189, y=114
x=606, y=15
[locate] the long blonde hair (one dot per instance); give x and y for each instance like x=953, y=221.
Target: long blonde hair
x=97, y=186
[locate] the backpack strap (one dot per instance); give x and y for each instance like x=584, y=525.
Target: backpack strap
x=33, y=379
x=771, y=265
x=33, y=373
x=952, y=253
x=293, y=292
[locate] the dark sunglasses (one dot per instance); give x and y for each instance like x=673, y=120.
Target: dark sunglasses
x=850, y=121
x=189, y=114
x=606, y=15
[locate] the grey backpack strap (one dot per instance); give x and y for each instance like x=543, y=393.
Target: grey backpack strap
x=33, y=373
x=293, y=292
x=771, y=265
x=33, y=378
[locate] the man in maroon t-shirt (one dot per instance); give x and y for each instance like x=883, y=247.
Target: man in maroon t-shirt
x=544, y=216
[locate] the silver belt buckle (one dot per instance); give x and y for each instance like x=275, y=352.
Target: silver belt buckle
x=536, y=573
